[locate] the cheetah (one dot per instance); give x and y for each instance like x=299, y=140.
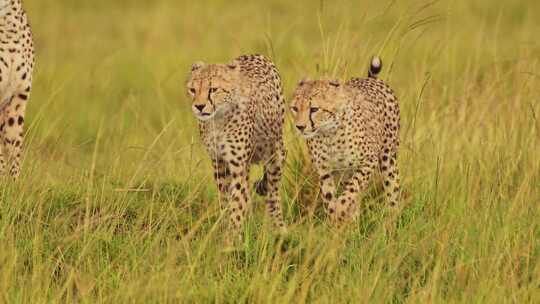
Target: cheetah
x=351, y=130
x=16, y=68
x=240, y=111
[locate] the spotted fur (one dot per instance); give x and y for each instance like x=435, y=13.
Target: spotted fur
x=240, y=110
x=351, y=130
x=16, y=68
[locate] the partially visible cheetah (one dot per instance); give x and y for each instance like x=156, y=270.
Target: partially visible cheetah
x=240, y=109
x=351, y=129
x=16, y=68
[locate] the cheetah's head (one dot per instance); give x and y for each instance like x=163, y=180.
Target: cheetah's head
x=315, y=106
x=213, y=89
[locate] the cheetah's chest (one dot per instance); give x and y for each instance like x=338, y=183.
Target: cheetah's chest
x=219, y=139
x=346, y=147
x=214, y=140
x=342, y=152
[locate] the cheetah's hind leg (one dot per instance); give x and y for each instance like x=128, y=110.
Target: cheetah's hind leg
x=12, y=132
x=390, y=175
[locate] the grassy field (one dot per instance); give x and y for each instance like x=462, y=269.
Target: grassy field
x=117, y=204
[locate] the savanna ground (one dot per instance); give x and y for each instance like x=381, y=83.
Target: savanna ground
x=117, y=204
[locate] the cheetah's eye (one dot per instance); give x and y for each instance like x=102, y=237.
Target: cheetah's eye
x=294, y=109
x=192, y=91
x=314, y=109
x=213, y=90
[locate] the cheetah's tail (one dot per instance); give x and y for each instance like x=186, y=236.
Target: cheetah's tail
x=375, y=67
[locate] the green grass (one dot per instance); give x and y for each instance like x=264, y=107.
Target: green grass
x=109, y=116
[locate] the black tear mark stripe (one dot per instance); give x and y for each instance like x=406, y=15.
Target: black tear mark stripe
x=209, y=97
x=311, y=118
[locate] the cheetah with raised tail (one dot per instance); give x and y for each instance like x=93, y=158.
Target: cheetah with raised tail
x=240, y=110
x=351, y=130
x=16, y=68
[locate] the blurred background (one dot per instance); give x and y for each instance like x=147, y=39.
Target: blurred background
x=119, y=67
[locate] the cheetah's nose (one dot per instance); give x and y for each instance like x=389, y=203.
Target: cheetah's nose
x=200, y=107
x=301, y=128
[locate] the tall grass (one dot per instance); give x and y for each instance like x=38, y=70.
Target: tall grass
x=116, y=202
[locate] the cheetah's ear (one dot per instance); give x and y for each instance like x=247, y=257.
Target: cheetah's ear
x=334, y=82
x=304, y=81
x=197, y=65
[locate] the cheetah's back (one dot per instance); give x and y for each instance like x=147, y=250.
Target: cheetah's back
x=385, y=103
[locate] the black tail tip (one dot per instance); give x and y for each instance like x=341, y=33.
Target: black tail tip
x=375, y=67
